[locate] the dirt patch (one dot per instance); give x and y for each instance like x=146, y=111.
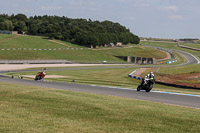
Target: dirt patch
x=168, y=55
x=139, y=72
x=7, y=39
x=59, y=43
x=47, y=76
x=192, y=79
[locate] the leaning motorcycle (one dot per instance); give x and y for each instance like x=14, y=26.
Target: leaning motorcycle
x=147, y=85
x=40, y=76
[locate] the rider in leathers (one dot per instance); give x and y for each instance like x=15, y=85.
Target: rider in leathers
x=149, y=76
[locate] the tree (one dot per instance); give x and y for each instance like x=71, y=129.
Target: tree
x=66, y=35
x=6, y=25
x=103, y=38
x=81, y=31
x=20, y=26
x=21, y=17
x=33, y=29
x=124, y=38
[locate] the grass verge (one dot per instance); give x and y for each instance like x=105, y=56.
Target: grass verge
x=5, y=36
x=42, y=110
x=181, y=69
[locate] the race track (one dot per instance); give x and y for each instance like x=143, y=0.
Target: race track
x=183, y=100
x=161, y=97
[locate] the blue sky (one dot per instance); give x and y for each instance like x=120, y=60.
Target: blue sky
x=145, y=18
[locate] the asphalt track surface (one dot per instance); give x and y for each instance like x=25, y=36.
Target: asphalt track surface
x=168, y=98
x=191, y=60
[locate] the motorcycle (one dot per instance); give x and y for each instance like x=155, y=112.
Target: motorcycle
x=40, y=76
x=147, y=85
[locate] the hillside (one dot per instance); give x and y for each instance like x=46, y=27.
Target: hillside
x=36, y=47
x=80, y=31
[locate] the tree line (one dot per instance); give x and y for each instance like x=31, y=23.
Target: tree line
x=80, y=31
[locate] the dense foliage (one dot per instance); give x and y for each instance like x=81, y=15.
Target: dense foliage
x=80, y=31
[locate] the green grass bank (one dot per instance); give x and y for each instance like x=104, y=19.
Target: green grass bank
x=42, y=110
x=71, y=52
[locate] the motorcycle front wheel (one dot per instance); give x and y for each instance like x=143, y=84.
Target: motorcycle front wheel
x=138, y=88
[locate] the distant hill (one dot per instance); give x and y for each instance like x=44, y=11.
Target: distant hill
x=26, y=47
x=80, y=31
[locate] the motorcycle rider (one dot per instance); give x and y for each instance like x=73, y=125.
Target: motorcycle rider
x=150, y=75
x=147, y=82
x=41, y=75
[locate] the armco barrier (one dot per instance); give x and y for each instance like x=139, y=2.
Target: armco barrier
x=169, y=62
x=187, y=47
x=167, y=84
x=178, y=86
x=135, y=77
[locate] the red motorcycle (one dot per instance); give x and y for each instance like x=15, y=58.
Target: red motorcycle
x=40, y=76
